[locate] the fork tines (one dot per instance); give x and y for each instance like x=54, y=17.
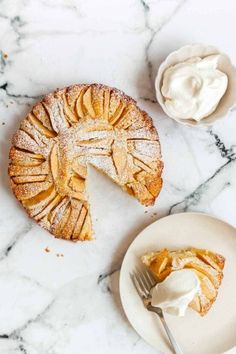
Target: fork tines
x=143, y=281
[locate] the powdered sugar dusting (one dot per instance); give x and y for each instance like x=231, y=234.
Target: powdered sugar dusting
x=121, y=149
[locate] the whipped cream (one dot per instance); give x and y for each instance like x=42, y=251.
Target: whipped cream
x=176, y=292
x=192, y=89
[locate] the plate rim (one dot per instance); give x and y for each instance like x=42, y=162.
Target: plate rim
x=139, y=235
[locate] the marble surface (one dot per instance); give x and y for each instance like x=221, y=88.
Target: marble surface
x=52, y=304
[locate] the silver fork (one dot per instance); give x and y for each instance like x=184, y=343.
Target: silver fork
x=144, y=282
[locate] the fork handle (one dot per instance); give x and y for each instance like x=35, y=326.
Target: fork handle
x=174, y=344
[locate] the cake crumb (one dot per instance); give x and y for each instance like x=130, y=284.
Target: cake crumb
x=5, y=55
x=3, y=123
x=58, y=255
x=145, y=211
x=47, y=249
x=62, y=255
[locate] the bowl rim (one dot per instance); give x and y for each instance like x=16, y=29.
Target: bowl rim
x=185, y=52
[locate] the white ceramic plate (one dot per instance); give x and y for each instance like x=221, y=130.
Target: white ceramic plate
x=216, y=332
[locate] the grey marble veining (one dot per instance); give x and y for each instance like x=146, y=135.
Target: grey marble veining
x=45, y=44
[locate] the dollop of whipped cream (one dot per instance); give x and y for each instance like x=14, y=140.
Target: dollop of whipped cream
x=176, y=292
x=192, y=89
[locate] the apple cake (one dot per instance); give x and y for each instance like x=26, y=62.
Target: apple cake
x=81, y=125
x=207, y=265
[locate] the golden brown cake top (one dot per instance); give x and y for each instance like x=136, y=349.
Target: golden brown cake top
x=207, y=265
x=70, y=129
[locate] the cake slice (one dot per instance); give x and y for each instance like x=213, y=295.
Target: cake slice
x=207, y=265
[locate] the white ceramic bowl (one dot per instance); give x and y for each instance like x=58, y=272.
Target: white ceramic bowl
x=225, y=65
